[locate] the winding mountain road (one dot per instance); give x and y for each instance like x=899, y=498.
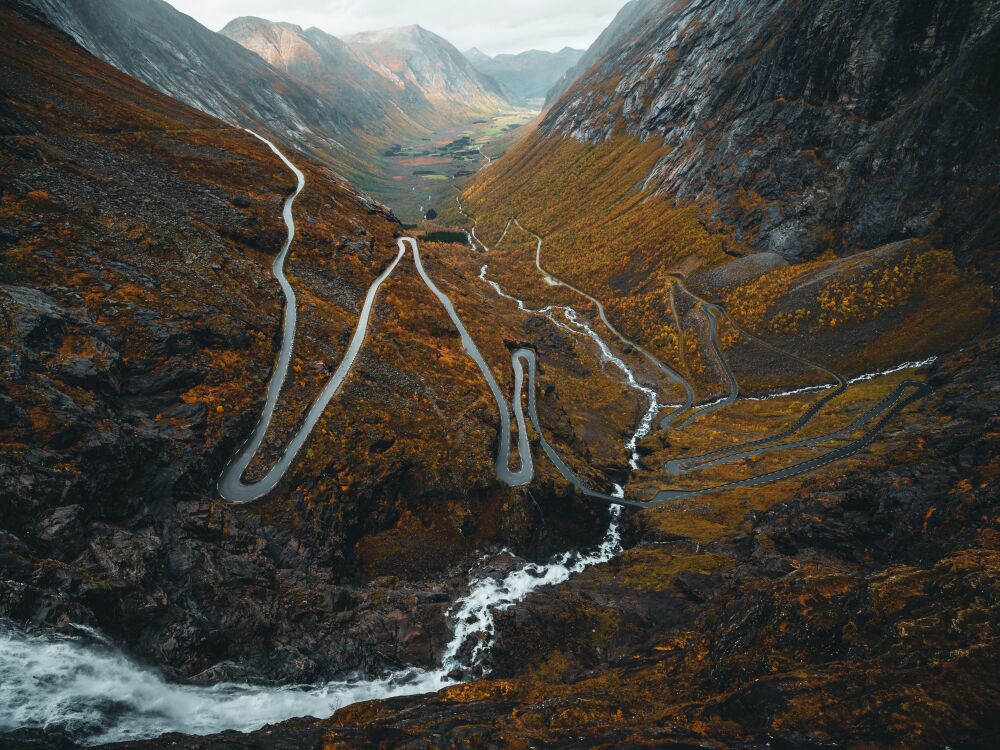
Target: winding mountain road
x=732, y=452
x=231, y=485
x=904, y=394
x=710, y=312
x=669, y=372
x=524, y=364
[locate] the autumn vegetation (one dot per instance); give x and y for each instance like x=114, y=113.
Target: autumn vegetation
x=628, y=246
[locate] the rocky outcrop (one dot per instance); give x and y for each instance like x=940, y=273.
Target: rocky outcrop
x=804, y=126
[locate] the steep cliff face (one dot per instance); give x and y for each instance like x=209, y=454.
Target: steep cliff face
x=806, y=126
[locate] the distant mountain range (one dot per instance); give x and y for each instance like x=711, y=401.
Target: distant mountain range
x=406, y=70
x=529, y=75
x=341, y=100
x=413, y=57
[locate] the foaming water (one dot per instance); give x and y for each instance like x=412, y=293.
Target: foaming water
x=580, y=327
x=646, y=423
x=473, y=614
x=901, y=367
x=912, y=365
x=98, y=695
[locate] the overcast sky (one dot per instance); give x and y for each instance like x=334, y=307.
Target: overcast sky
x=491, y=25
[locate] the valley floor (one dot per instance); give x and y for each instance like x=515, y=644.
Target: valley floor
x=424, y=175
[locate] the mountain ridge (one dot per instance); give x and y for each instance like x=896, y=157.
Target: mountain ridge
x=325, y=99
x=414, y=56
x=633, y=14
x=328, y=65
x=529, y=74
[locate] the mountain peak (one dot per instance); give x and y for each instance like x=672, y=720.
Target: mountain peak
x=414, y=56
x=476, y=56
x=390, y=33
x=257, y=23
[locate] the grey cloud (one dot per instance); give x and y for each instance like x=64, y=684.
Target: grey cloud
x=493, y=26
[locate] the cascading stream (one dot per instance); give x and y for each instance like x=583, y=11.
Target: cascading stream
x=96, y=694
x=84, y=685
x=580, y=328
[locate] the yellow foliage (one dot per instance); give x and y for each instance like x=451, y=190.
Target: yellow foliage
x=603, y=231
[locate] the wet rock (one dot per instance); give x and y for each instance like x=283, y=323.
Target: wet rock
x=9, y=237
x=62, y=531
x=37, y=739
x=14, y=554
x=36, y=318
x=11, y=415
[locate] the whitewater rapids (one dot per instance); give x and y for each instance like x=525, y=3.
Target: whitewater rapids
x=84, y=685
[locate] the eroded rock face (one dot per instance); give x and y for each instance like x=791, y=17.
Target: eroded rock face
x=801, y=123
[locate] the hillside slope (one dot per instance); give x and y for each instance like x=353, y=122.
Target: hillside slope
x=140, y=320
x=855, y=605
x=808, y=133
